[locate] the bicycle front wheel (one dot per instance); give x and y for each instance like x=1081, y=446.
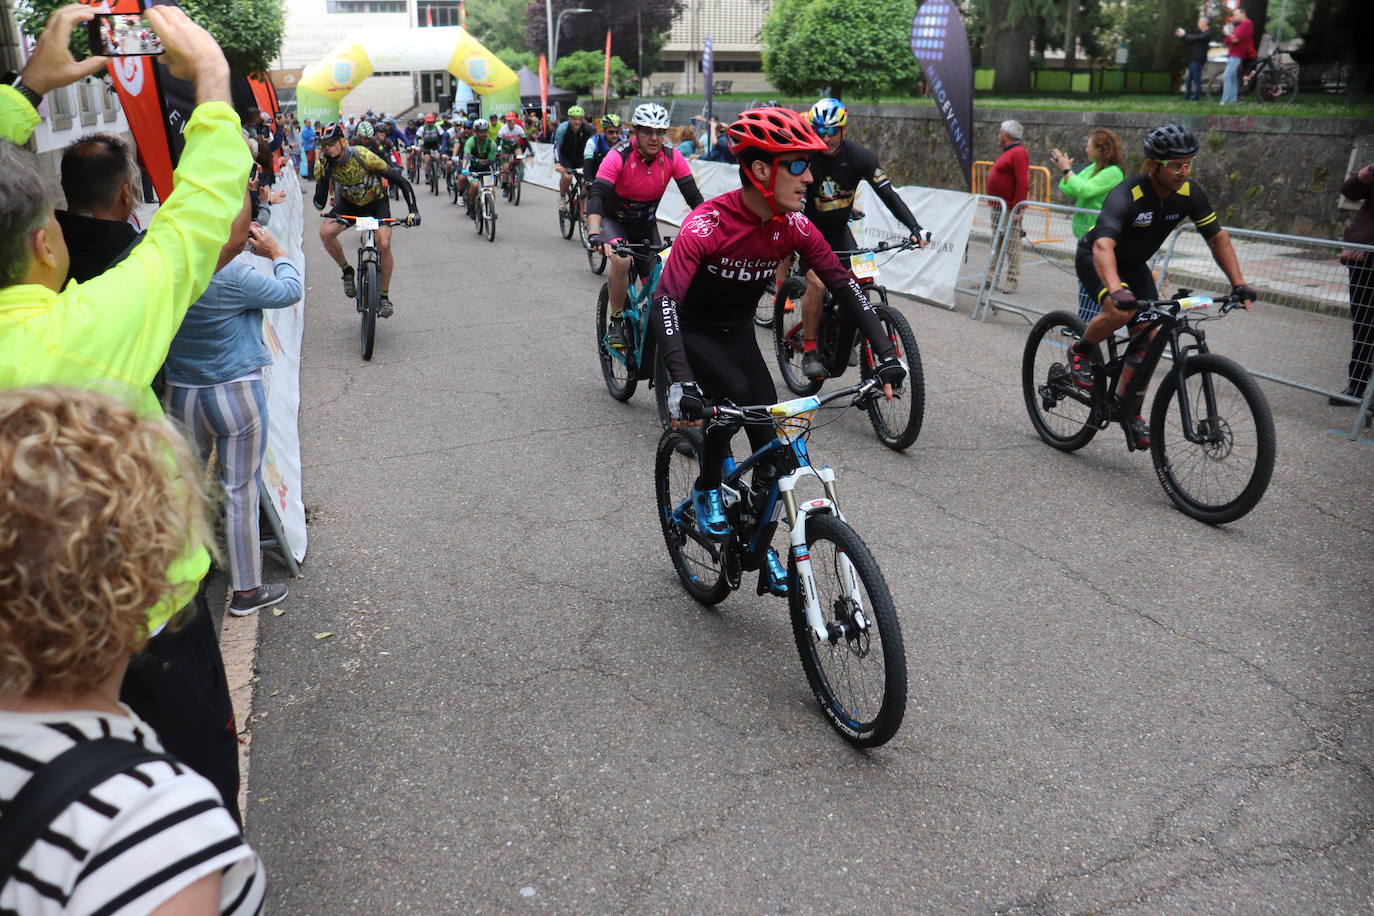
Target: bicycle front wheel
x=489, y=214
x=596, y=256
x=432, y=175
x=787, y=341
x=517, y=178
x=858, y=675
x=1224, y=475
x=1277, y=84
x=700, y=564
x=620, y=381
x=1058, y=409
x=369, y=294
x=897, y=422
x=567, y=221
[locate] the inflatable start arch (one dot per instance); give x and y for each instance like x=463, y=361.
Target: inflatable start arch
x=323, y=85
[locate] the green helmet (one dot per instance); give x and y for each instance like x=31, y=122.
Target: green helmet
x=576, y=112
x=611, y=120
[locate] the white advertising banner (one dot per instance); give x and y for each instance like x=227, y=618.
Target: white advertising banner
x=282, y=331
x=928, y=274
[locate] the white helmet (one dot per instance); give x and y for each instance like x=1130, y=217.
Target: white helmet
x=650, y=115
x=481, y=124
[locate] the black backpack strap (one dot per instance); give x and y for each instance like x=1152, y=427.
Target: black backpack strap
x=57, y=784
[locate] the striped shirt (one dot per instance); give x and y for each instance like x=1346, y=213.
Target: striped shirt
x=133, y=841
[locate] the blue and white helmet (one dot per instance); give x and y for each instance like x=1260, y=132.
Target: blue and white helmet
x=650, y=115
x=829, y=113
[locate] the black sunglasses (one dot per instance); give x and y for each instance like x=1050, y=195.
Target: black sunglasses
x=796, y=166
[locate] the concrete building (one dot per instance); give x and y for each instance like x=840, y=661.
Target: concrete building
x=734, y=27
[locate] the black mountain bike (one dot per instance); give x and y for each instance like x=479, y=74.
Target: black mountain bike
x=1211, y=430
x=368, y=274
x=897, y=423
x=432, y=173
x=1268, y=79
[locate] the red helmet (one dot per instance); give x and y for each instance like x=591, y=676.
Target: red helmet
x=429, y=118
x=773, y=131
x=512, y=116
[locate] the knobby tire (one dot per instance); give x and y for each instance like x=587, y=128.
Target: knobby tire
x=620, y=382
x=1065, y=424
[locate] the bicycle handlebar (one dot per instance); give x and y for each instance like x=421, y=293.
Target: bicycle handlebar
x=858, y=393
x=905, y=244
x=347, y=219
x=1187, y=302
x=629, y=249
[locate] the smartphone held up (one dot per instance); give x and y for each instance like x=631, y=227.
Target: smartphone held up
x=123, y=35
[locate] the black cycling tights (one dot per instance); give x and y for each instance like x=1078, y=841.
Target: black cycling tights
x=727, y=364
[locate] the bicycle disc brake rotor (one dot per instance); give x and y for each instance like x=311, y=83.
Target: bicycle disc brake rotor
x=1217, y=438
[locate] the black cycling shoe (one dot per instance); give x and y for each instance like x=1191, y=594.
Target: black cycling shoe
x=813, y=368
x=615, y=334
x=1140, y=433
x=350, y=285
x=1081, y=368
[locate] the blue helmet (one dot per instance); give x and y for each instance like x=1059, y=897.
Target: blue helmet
x=829, y=113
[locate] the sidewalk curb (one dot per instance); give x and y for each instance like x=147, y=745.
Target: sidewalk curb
x=238, y=639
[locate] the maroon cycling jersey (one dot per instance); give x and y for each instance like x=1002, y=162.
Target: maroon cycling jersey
x=722, y=260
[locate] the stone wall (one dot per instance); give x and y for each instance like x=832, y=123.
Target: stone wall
x=1275, y=174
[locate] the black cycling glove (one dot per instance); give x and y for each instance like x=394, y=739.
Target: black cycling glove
x=685, y=401
x=1124, y=299
x=1244, y=293
x=891, y=372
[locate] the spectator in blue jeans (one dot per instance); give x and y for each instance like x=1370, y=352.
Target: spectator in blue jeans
x=1240, y=47
x=214, y=375
x=1197, y=43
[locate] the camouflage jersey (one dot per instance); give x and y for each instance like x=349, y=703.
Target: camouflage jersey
x=357, y=178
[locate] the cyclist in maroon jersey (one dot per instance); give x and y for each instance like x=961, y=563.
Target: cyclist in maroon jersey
x=704, y=306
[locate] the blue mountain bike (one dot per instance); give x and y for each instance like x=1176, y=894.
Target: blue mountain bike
x=624, y=367
x=843, y=618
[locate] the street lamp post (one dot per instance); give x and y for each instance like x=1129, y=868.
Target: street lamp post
x=553, y=41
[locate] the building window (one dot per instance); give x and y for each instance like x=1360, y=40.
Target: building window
x=436, y=13
x=365, y=6
x=436, y=83
x=86, y=102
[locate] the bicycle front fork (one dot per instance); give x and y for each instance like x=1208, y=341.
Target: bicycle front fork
x=797, y=515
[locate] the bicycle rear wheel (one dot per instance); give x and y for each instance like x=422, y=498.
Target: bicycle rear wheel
x=432, y=176
x=859, y=675
x=489, y=214
x=453, y=189
x=1277, y=84
x=897, y=422
x=700, y=564
x=620, y=381
x=1223, y=477
x=787, y=339
x=1058, y=409
x=369, y=294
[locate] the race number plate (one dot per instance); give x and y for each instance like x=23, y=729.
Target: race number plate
x=488, y=181
x=366, y=222
x=863, y=265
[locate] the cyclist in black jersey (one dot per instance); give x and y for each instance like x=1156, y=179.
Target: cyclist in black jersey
x=837, y=171
x=569, y=142
x=1112, y=260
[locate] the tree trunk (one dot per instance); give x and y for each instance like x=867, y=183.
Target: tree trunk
x=1070, y=34
x=1258, y=11
x=1166, y=43
x=1007, y=48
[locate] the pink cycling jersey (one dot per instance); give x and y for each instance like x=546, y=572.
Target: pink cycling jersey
x=722, y=260
x=628, y=189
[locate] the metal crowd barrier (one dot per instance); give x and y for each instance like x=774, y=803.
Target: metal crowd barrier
x=1299, y=334
x=981, y=252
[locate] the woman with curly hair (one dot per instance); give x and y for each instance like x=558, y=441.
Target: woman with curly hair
x=1088, y=188
x=95, y=504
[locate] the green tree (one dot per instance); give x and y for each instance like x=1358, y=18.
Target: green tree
x=498, y=24
x=859, y=47
x=249, y=31
x=585, y=72
x=517, y=59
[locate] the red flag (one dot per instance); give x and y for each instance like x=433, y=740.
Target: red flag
x=429, y=16
x=264, y=94
x=606, y=86
x=543, y=94
x=462, y=14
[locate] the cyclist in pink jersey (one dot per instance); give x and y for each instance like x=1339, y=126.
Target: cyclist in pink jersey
x=704, y=306
x=623, y=200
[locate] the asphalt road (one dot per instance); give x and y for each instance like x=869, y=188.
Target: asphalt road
x=1113, y=707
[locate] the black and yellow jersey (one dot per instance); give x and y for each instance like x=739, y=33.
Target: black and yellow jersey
x=357, y=177
x=1135, y=216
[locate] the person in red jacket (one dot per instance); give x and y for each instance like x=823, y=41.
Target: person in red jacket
x=1009, y=179
x=1240, y=47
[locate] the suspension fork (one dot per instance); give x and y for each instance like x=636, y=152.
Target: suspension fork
x=1185, y=402
x=797, y=516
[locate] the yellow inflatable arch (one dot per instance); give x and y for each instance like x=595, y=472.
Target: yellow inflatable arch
x=324, y=84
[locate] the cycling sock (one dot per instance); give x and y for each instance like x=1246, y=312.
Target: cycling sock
x=384, y=292
x=808, y=346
